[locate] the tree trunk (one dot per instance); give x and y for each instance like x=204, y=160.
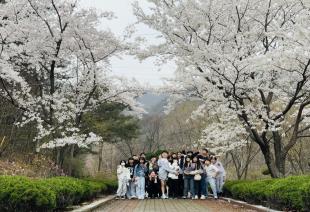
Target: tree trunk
x=280, y=156
x=237, y=166
x=100, y=156
x=71, y=157
x=269, y=160
x=58, y=156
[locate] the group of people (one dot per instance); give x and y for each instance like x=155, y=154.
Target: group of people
x=171, y=175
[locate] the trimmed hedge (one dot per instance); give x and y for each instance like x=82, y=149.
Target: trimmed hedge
x=26, y=194
x=291, y=193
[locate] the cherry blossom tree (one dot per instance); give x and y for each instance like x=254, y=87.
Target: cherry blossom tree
x=54, y=66
x=247, y=60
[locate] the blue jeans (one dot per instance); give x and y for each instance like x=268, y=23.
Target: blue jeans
x=211, y=181
x=131, y=190
x=188, y=185
x=203, y=185
x=140, y=189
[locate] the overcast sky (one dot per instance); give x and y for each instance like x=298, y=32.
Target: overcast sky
x=145, y=72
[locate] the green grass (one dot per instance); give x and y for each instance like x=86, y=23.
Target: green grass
x=26, y=194
x=291, y=193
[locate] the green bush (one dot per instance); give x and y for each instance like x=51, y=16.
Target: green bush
x=25, y=194
x=111, y=184
x=291, y=193
x=306, y=196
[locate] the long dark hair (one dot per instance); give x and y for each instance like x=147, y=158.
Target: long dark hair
x=122, y=162
x=187, y=162
x=198, y=164
x=142, y=158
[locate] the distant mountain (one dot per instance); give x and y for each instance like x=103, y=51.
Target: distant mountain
x=153, y=103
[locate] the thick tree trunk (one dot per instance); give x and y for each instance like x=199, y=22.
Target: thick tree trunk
x=280, y=156
x=276, y=168
x=71, y=157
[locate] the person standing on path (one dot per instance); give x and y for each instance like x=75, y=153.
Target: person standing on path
x=123, y=176
x=164, y=169
x=212, y=171
x=220, y=178
x=139, y=175
x=197, y=176
x=203, y=186
x=173, y=179
x=188, y=179
x=181, y=161
x=131, y=187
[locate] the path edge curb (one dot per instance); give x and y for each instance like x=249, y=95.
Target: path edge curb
x=255, y=207
x=94, y=205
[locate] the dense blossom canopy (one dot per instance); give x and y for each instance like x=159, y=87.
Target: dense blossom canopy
x=247, y=60
x=54, y=64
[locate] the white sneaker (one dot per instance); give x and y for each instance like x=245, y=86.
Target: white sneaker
x=133, y=197
x=164, y=197
x=196, y=196
x=203, y=197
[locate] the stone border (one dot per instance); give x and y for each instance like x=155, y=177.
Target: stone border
x=245, y=204
x=94, y=205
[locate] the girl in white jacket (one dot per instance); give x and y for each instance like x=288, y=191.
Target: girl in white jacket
x=212, y=172
x=220, y=178
x=173, y=179
x=123, y=175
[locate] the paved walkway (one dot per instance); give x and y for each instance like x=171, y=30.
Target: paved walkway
x=152, y=205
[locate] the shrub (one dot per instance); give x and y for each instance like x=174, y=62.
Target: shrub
x=290, y=193
x=68, y=191
x=23, y=194
x=110, y=183
x=306, y=196
x=26, y=194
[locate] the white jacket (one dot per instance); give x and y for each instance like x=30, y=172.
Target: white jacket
x=220, y=166
x=211, y=170
x=175, y=167
x=123, y=173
